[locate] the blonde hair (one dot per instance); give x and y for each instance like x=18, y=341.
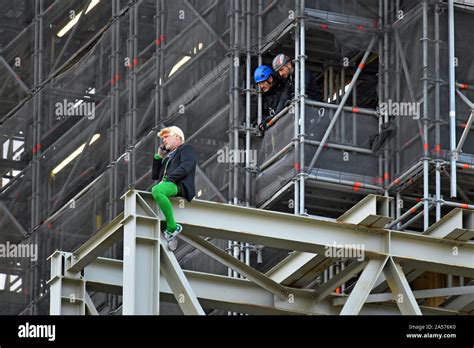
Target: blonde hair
x=176, y=131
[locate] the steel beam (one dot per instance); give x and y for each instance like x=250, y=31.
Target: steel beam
x=275, y=229
x=91, y=310
x=458, y=224
x=178, y=283
x=462, y=303
x=292, y=268
x=229, y=261
x=98, y=244
x=417, y=294
x=400, y=289
x=104, y=275
x=363, y=287
x=347, y=273
x=371, y=211
x=67, y=290
x=234, y=294
x=141, y=256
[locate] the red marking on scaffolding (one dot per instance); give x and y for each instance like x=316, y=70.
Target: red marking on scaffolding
x=418, y=199
x=397, y=181
x=360, y=27
x=386, y=176
x=380, y=180
x=425, y=146
x=133, y=64
x=355, y=110
x=438, y=148
x=357, y=186
x=361, y=66
x=412, y=210
x=160, y=40
x=324, y=26
x=326, y=146
x=36, y=149
x=297, y=166
x=466, y=166
x=463, y=85
x=463, y=125
x=464, y=206
x=115, y=79
x=338, y=290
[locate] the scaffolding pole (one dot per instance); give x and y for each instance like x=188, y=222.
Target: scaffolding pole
x=301, y=136
x=426, y=215
x=452, y=97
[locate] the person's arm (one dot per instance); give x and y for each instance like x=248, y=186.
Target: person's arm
x=283, y=99
x=187, y=164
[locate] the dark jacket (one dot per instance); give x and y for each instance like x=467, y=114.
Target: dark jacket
x=181, y=170
x=312, y=89
x=275, y=99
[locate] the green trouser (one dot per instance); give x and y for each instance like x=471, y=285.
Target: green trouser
x=161, y=193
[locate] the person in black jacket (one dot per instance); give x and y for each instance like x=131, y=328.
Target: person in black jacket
x=175, y=167
x=275, y=96
x=284, y=66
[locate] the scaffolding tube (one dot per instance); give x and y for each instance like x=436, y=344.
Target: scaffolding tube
x=409, y=212
x=353, y=109
x=437, y=116
x=452, y=100
x=426, y=215
x=301, y=136
x=296, y=183
x=355, y=185
x=415, y=218
x=397, y=181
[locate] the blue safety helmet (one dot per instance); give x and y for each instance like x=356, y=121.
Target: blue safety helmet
x=262, y=73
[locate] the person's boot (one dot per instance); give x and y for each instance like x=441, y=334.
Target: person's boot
x=171, y=237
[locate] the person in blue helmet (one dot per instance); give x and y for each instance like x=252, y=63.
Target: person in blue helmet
x=275, y=96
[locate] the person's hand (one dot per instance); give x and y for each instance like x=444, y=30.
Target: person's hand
x=162, y=152
x=263, y=126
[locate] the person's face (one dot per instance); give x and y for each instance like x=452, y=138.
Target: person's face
x=266, y=85
x=171, y=142
x=285, y=70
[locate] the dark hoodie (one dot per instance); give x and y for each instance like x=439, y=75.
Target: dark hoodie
x=275, y=99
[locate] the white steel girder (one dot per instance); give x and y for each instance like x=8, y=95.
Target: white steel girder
x=142, y=279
